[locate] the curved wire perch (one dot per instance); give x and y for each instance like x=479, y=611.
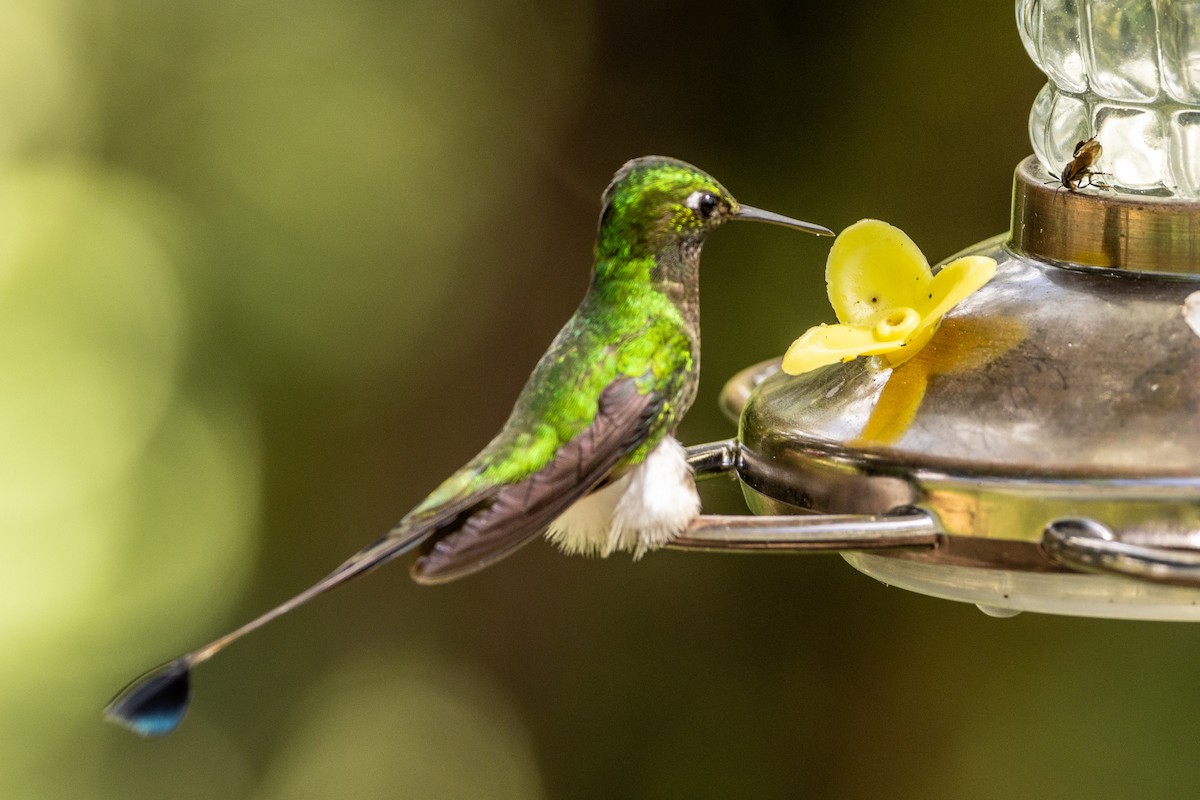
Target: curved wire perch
x=793, y=533
x=801, y=533
x=1081, y=544
x=715, y=458
x=1086, y=544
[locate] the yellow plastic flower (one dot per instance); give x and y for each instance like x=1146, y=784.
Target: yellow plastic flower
x=887, y=300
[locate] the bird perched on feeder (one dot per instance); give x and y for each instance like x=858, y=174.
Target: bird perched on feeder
x=588, y=455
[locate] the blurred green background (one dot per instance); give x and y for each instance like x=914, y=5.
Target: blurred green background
x=269, y=271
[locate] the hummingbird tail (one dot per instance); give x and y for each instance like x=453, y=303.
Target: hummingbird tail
x=155, y=703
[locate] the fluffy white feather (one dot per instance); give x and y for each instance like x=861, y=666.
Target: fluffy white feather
x=640, y=511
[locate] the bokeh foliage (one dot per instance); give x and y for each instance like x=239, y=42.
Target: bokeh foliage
x=269, y=270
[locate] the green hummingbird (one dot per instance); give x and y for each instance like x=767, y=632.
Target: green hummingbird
x=588, y=455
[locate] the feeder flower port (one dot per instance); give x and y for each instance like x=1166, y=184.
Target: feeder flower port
x=887, y=300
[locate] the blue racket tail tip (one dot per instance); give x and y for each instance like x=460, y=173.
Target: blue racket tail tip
x=154, y=704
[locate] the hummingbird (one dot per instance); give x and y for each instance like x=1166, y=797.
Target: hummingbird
x=588, y=456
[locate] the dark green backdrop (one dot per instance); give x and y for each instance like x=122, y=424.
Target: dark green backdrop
x=269, y=271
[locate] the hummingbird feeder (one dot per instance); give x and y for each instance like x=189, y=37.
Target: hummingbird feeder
x=1042, y=451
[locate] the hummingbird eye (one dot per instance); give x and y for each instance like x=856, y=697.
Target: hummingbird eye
x=703, y=203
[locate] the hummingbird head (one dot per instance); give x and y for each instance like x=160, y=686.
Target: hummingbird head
x=655, y=204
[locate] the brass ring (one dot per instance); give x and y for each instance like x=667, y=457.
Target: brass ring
x=1098, y=228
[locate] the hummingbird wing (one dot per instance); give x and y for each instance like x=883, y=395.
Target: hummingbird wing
x=521, y=511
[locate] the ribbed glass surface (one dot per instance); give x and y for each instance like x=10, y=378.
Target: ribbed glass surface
x=1127, y=72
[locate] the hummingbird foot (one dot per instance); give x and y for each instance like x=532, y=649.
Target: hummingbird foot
x=643, y=510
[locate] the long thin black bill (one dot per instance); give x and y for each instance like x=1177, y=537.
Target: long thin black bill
x=758, y=215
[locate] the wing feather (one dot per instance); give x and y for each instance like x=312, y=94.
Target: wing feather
x=522, y=511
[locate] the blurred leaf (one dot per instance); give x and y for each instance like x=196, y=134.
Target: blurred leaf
x=393, y=727
x=91, y=328
x=44, y=99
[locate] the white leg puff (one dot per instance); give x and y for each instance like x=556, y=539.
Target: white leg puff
x=643, y=510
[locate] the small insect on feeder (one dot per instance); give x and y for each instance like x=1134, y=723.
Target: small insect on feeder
x=1042, y=451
